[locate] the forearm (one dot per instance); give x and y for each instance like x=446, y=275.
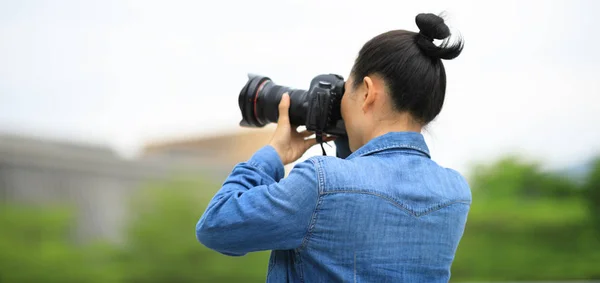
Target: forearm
x=257, y=209
x=227, y=212
x=263, y=168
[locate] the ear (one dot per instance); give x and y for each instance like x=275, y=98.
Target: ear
x=369, y=94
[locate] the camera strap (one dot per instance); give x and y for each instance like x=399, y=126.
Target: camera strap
x=319, y=136
x=318, y=116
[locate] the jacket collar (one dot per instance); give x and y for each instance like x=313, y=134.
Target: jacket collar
x=394, y=140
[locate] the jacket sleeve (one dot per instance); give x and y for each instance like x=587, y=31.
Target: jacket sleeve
x=257, y=209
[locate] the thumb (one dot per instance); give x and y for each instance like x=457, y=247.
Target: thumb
x=284, y=106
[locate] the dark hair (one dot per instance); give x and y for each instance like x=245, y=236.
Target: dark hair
x=411, y=66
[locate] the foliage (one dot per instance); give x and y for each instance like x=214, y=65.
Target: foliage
x=35, y=246
x=162, y=246
x=592, y=194
x=525, y=224
x=527, y=240
x=511, y=177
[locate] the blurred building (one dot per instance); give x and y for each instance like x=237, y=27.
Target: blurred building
x=98, y=182
x=229, y=148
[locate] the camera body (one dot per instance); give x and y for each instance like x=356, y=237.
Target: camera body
x=324, y=105
x=318, y=108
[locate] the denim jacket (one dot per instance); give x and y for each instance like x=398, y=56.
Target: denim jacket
x=385, y=213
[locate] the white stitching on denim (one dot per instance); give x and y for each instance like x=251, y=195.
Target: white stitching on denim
x=313, y=218
x=272, y=263
x=402, y=206
x=399, y=205
x=298, y=262
x=323, y=174
x=395, y=146
x=355, y=266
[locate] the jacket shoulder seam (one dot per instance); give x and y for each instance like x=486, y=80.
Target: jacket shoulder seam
x=320, y=184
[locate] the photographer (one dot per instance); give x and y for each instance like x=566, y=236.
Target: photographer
x=382, y=210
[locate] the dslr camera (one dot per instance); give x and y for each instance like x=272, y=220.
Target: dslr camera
x=317, y=108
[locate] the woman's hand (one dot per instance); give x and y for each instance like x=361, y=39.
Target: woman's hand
x=289, y=144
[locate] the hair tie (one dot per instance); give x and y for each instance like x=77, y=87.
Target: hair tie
x=426, y=36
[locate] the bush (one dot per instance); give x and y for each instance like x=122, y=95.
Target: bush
x=592, y=194
x=162, y=246
x=524, y=224
x=514, y=177
x=35, y=246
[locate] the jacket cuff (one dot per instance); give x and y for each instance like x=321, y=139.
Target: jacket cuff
x=267, y=160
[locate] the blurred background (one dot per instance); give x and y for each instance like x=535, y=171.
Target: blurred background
x=119, y=121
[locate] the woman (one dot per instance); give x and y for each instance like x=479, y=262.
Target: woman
x=384, y=211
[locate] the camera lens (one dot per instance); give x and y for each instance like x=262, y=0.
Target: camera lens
x=259, y=102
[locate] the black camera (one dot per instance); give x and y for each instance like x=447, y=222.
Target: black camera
x=318, y=108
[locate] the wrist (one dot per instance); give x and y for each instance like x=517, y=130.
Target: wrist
x=278, y=151
x=268, y=160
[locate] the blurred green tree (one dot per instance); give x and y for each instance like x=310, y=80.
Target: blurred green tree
x=161, y=245
x=592, y=193
x=35, y=246
x=513, y=176
x=526, y=224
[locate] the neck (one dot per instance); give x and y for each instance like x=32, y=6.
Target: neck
x=402, y=123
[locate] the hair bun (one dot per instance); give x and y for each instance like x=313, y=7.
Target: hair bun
x=433, y=27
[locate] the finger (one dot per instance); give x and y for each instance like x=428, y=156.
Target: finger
x=306, y=134
x=284, y=106
x=309, y=142
x=329, y=138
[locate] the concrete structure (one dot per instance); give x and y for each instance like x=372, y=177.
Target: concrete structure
x=230, y=148
x=226, y=149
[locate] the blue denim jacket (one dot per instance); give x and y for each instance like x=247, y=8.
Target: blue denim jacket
x=386, y=213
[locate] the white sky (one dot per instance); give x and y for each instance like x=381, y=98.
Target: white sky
x=126, y=72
